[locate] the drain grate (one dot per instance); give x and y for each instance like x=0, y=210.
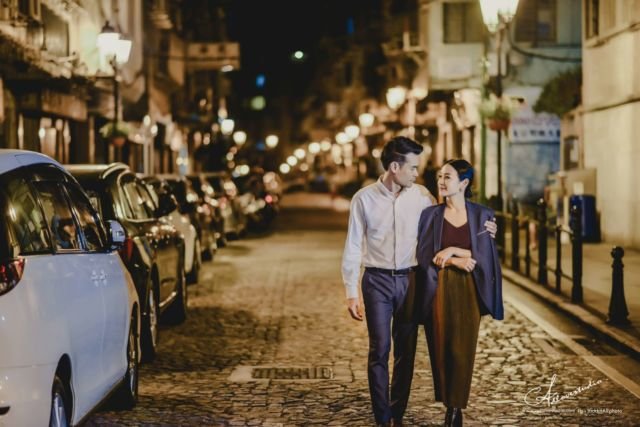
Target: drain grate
x=310, y=373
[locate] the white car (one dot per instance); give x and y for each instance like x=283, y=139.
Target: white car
x=161, y=193
x=69, y=317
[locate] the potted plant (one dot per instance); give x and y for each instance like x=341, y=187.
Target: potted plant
x=117, y=133
x=497, y=112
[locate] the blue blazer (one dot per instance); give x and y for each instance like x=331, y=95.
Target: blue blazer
x=487, y=273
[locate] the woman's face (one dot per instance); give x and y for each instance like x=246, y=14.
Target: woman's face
x=449, y=182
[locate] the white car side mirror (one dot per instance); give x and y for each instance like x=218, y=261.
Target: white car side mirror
x=117, y=235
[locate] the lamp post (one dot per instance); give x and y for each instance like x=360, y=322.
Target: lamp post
x=497, y=14
x=114, y=50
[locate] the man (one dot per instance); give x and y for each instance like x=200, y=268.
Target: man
x=383, y=227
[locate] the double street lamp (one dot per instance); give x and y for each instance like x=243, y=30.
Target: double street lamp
x=497, y=14
x=114, y=50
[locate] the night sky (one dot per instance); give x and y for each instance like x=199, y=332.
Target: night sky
x=270, y=31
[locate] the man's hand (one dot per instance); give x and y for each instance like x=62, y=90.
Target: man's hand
x=491, y=227
x=466, y=264
x=353, y=305
x=441, y=257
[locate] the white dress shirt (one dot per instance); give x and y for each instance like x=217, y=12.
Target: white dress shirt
x=383, y=230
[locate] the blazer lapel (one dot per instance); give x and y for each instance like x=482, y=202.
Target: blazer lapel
x=474, y=227
x=438, y=222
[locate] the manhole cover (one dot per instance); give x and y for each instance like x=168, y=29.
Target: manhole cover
x=290, y=373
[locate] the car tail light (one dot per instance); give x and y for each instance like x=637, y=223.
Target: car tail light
x=268, y=198
x=10, y=274
x=126, y=252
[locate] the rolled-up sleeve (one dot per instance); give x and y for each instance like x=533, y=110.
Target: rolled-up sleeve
x=353, y=248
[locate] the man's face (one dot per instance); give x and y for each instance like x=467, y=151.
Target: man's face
x=405, y=174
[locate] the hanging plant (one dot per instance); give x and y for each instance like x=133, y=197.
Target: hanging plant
x=497, y=112
x=117, y=133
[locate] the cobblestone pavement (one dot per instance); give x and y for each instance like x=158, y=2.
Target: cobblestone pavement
x=278, y=301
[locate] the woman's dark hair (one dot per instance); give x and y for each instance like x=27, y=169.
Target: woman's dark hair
x=397, y=148
x=465, y=171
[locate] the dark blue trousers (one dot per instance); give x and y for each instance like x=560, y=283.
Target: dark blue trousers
x=388, y=298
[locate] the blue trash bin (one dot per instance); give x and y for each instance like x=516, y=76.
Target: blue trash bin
x=590, y=228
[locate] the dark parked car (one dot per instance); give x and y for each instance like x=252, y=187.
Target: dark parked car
x=153, y=250
x=205, y=216
x=260, y=205
x=220, y=186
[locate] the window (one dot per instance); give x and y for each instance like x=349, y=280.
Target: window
x=58, y=215
x=462, y=22
x=27, y=228
x=137, y=207
x=535, y=21
x=94, y=234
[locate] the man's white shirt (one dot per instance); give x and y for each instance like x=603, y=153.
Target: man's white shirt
x=383, y=230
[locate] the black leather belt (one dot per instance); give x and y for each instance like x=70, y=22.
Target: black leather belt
x=399, y=272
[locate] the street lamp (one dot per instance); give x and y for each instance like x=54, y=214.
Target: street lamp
x=497, y=14
x=396, y=97
x=226, y=127
x=114, y=50
x=366, y=120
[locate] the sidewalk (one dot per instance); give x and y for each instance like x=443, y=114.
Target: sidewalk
x=596, y=284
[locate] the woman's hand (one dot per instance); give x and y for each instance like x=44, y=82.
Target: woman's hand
x=466, y=264
x=441, y=257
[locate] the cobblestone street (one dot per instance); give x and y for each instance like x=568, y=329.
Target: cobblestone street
x=277, y=301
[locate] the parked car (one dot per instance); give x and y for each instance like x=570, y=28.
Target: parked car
x=153, y=250
x=259, y=205
x=219, y=186
x=205, y=217
x=69, y=311
x=209, y=208
x=160, y=191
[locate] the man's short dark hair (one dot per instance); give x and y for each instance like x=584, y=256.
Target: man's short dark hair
x=397, y=148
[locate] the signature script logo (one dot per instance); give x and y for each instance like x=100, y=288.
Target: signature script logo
x=534, y=397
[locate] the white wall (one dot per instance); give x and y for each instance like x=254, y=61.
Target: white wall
x=611, y=132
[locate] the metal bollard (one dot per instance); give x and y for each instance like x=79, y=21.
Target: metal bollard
x=576, y=253
x=558, y=271
x=618, y=305
x=542, y=242
x=515, y=238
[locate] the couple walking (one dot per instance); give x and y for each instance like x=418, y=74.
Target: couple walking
x=428, y=264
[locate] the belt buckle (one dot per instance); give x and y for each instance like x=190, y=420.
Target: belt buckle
x=396, y=273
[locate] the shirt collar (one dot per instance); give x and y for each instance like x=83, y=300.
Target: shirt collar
x=386, y=192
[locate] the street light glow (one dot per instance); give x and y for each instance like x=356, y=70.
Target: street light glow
x=325, y=145
x=272, y=141
x=239, y=137
x=292, y=160
x=300, y=153
x=285, y=168
x=495, y=11
x=314, y=148
x=226, y=68
x=352, y=132
x=396, y=96
x=226, y=127
x=304, y=167
x=342, y=138
x=366, y=120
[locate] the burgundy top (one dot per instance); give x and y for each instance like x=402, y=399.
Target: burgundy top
x=458, y=237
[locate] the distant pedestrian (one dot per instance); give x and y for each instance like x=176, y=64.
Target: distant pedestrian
x=459, y=279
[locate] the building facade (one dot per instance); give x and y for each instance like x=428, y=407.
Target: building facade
x=610, y=113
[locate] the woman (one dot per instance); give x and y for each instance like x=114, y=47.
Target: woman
x=460, y=280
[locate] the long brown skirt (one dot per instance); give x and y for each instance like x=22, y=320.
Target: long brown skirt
x=452, y=335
